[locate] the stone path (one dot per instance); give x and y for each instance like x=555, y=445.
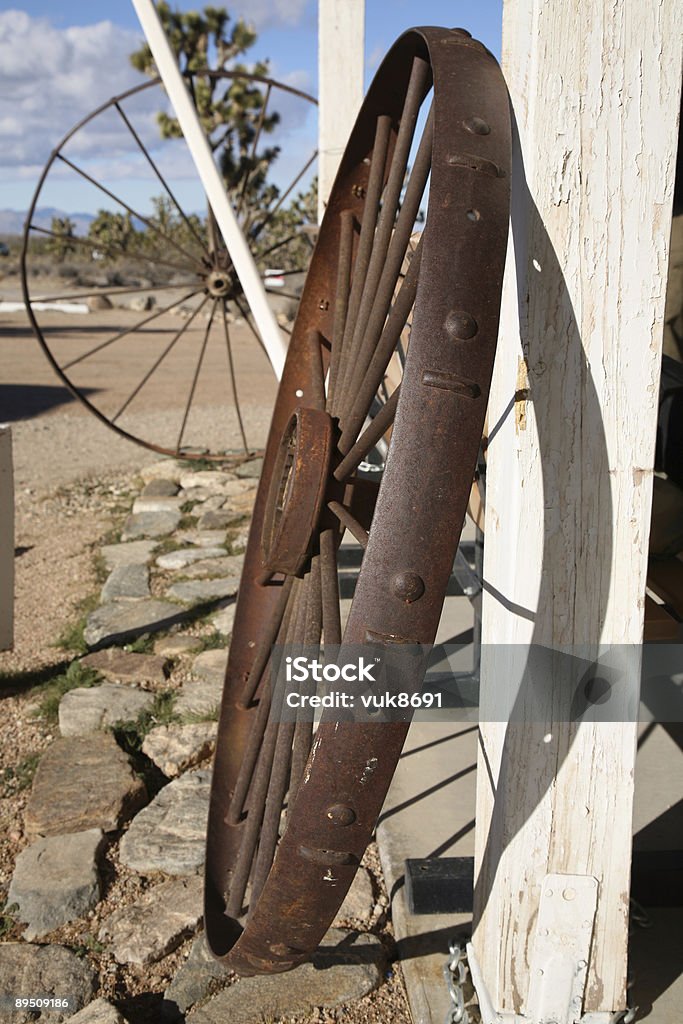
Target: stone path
x=116, y=817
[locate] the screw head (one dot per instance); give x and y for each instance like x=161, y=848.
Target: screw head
x=341, y=814
x=477, y=126
x=408, y=586
x=460, y=325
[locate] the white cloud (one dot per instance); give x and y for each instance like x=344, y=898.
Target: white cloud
x=269, y=13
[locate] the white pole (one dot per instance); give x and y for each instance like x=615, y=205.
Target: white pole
x=214, y=187
x=341, y=59
x=572, y=420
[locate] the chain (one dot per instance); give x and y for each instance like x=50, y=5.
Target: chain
x=455, y=973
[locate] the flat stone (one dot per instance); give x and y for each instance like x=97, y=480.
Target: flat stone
x=213, y=503
x=195, y=494
x=55, y=880
x=359, y=901
x=195, y=591
x=200, y=698
x=173, y=748
x=239, y=539
x=171, y=646
x=122, y=620
x=217, y=520
x=160, y=488
x=225, y=565
x=163, y=503
x=127, y=666
x=135, y=552
x=213, y=479
x=165, y=469
x=250, y=470
x=126, y=582
x=150, y=524
x=82, y=782
x=169, y=835
x=347, y=967
x=156, y=924
x=47, y=972
x=211, y=665
x=224, y=620
x=90, y=709
x=186, y=556
x=241, y=504
x=195, y=980
x=202, y=538
x=101, y=1011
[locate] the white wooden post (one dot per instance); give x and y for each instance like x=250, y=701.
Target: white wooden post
x=247, y=271
x=6, y=540
x=595, y=91
x=341, y=60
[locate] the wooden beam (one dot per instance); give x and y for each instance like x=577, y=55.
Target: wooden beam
x=572, y=420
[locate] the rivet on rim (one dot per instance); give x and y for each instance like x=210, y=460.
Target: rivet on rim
x=408, y=586
x=460, y=325
x=477, y=126
x=341, y=814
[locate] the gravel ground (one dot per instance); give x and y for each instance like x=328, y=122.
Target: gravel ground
x=74, y=480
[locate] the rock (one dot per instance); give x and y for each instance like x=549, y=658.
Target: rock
x=240, y=538
x=225, y=565
x=203, y=698
x=211, y=665
x=195, y=494
x=82, y=782
x=195, y=980
x=156, y=924
x=165, y=469
x=172, y=646
x=213, y=479
x=150, y=524
x=169, y=835
x=126, y=582
x=249, y=470
x=359, y=901
x=135, y=552
x=126, y=666
x=123, y=620
x=89, y=709
x=48, y=971
x=159, y=488
x=55, y=880
x=218, y=520
x=101, y=1011
x=173, y=748
x=347, y=967
x=162, y=503
x=241, y=504
x=204, y=590
x=95, y=303
x=186, y=556
x=224, y=620
x=142, y=303
x=213, y=503
x=202, y=538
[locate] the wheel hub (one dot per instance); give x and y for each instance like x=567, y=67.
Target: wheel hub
x=220, y=284
x=297, y=490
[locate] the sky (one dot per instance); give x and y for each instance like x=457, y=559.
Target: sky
x=60, y=59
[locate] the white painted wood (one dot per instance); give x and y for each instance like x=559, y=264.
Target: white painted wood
x=6, y=540
x=250, y=279
x=341, y=59
x=572, y=424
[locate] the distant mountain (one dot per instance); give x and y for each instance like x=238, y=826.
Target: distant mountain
x=12, y=221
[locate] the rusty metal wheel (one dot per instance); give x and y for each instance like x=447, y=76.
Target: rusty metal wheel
x=437, y=112
x=160, y=249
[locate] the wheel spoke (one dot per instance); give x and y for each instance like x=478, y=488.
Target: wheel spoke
x=233, y=380
x=257, y=135
x=157, y=363
x=330, y=587
x=200, y=360
x=253, y=235
x=341, y=300
x=264, y=644
x=108, y=250
x=316, y=399
x=161, y=178
x=250, y=324
x=145, y=220
x=349, y=522
x=133, y=290
x=278, y=245
x=129, y=330
x=303, y=731
x=369, y=438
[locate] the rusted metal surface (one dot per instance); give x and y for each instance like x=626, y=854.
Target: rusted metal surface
x=415, y=515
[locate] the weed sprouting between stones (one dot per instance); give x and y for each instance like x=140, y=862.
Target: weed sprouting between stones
x=76, y=675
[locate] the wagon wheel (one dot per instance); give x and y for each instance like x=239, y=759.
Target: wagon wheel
x=179, y=256
x=269, y=896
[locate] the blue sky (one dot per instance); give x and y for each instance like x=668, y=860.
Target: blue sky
x=61, y=58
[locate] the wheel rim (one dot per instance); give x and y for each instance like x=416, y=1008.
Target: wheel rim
x=350, y=322
x=209, y=290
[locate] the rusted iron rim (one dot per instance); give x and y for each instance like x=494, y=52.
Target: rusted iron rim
x=410, y=524
x=207, y=270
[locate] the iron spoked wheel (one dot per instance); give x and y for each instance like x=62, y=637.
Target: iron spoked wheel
x=271, y=892
x=178, y=256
